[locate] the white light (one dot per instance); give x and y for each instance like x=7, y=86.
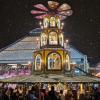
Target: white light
x=77, y=71
x=12, y=64
x=66, y=60
x=37, y=39
x=62, y=24
x=67, y=41
x=40, y=23
x=73, y=63
x=24, y=64
x=29, y=62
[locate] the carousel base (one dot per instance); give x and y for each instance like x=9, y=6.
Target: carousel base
x=51, y=78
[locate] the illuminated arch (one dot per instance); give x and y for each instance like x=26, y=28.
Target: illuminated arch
x=67, y=62
x=52, y=22
x=46, y=22
x=54, y=61
x=53, y=40
x=43, y=39
x=38, y=62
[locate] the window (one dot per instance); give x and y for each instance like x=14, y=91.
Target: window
x=43, y=39
x=58, y=22
x=52, y=22
x=61, y=40
x=67, y=62
x=53, y=38
x=54, y=61
x=46, y=22
x=38, y=62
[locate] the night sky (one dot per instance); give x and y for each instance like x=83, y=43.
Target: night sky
x=82, y=28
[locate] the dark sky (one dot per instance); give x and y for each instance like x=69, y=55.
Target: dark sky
x=82, y=28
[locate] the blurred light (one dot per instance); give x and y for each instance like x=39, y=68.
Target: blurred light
x=67, y=40
x=66, y=60
x=37, y=39
x=24, y=64
x=77, y=71
x=29, y=62
x=40, y=23
x=62, y=24
x=12, y=64
x=74, y=63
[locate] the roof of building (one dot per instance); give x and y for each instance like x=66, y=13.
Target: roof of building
x=21, y=50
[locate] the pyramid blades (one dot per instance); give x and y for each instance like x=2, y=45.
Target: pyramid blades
x=41, y=6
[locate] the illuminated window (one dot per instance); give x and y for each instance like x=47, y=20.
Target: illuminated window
x=61, y=40
x=58, y=22
x=43, y=39
x=38, y=62
x=54, y=61
x=46, y=22
x=67, y=62
x=53, y=38
x=52, y=22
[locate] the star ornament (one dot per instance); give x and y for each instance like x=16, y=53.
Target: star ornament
x=63, y=10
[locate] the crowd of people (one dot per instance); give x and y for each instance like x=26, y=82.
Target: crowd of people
x=35, y=92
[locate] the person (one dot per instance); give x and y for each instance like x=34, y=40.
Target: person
x=44, y=95
x=52, y=94
x=32, y=95
x=74, y=92
x=61, y=96
x=4, y=95
x=97, y=93
x=68, y=96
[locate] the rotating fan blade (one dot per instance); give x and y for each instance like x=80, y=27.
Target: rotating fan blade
x=37, y=12
x=53, y=4
x=41, y=6
x=64, y=6
x=66, y=13
x=41, y=16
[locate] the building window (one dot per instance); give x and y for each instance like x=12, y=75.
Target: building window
x=38, y=62
x=52, y=22
x=53, y=38
x=61, y=39
x=46, y=22
x=54, y=61
x=43, y=39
